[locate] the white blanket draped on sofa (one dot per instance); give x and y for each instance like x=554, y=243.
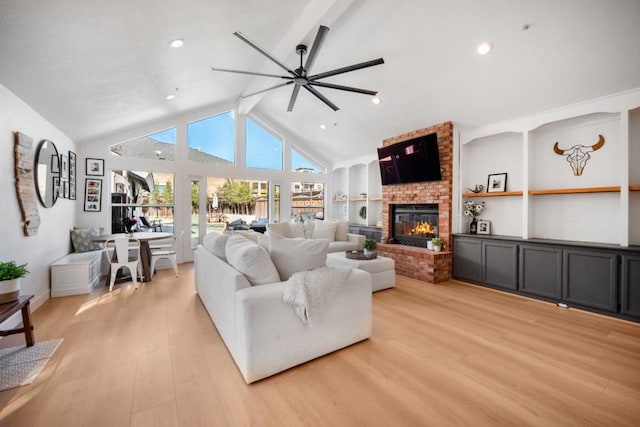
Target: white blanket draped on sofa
x=311, y=292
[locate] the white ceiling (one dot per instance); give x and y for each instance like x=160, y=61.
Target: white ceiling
x=93, y=68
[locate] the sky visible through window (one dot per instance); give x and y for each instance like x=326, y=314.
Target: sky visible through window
x=264, y=150
x=216, y=136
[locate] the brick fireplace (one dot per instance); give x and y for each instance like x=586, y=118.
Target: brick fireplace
x=418, y=262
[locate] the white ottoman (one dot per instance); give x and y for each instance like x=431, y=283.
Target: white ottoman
x=382, y=269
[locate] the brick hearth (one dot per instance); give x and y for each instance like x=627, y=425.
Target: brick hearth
x=421, y=263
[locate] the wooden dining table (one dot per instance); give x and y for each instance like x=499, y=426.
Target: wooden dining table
x=145, y=251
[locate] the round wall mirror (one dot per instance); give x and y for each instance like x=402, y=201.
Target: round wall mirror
x=47, y=173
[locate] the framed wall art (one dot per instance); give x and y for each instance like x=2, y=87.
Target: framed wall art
x=72, y=175
x=497, y=183
x=484, y=227
x=95, y=167
x=92, y=195
x=64, y=168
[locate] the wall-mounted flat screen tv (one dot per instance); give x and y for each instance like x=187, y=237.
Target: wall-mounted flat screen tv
x=414, y=160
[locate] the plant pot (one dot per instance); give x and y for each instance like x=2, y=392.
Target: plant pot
x=369, y=252
x=437, y=248
x=9, y=290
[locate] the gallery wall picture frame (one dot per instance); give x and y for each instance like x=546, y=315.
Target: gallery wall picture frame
x=72, y=175
x=95, y=167
x=92, y=195
x=64, y=168
x=497, y=183
x=484, y=226
x=65, y=190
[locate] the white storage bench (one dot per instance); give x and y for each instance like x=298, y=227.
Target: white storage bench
x=76, y=273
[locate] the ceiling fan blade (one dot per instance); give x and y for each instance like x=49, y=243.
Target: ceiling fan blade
x=321, y=97
x=267, y=89
x=315, y=48
x=347, y=69
x=262, y=51
x=294, y=96
x=347, y=88
x=252, y=73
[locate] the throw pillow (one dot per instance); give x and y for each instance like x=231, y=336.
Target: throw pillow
x=342, y=228
x=251, y=259
x=215, y=243
x=293, y=255
x=82, y=239
x=324, y=230
x=281, y=228
x=308, y=228
x=297, y=229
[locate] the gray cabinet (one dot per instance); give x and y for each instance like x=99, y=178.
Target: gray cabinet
x=630, y=285
x=467, y=259
x=369, y=232
x=541, y=270
x=500, y=264
x=590, y=278
x=599, y=277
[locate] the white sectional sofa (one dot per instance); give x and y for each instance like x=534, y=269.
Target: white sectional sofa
x=336, y=231
x=264, y=334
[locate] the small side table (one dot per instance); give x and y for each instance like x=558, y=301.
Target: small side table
x=9, y=309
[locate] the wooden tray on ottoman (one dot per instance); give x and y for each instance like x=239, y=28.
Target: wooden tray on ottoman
x=360, y=255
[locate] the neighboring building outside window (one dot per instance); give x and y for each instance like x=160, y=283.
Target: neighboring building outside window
x=212, y=140
x=159, y=146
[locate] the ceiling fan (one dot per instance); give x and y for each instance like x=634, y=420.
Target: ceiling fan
x=300, y=76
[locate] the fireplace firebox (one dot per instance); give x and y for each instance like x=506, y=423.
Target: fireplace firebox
x=414, y=224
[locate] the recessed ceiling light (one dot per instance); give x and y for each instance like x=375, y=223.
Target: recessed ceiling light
x=375, y=100
x=177, y=43
x=170, y=97
x=484, y=48
x=323, y=126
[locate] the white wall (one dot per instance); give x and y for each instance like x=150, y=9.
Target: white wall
x=52, y=240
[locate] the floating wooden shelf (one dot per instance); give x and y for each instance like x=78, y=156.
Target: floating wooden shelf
x=375, y=199
x=503, y=194
x=340, y=200
x=358, y=199
x=575, y=190
x=634, y=188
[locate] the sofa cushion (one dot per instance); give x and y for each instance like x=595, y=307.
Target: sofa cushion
x=342, y=229
x=216, y=243
x=293, y=255
x=281, y=228
x=251, y=260
x=82, y=239
x=324, y=230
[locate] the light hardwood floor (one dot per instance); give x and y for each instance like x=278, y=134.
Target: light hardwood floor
x=448, y=354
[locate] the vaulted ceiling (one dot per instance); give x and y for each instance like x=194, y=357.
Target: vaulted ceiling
x=93, y=68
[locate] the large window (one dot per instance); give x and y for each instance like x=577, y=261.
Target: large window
x=236, y=203
x=307, y=200
x=146, y=196
x=263, y=149
x=301, y=163
x=212, y=140
x=160, y=145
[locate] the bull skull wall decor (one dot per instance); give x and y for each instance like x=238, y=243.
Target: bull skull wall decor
x=578, y=155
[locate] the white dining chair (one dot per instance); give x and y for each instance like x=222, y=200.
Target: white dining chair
x=170, y=254
x=123, y=252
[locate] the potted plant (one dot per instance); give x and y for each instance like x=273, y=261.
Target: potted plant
x=369, y=246
x=10, y=275
x=438, y=243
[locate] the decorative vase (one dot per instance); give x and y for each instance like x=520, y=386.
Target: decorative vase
x=473, y=227
x=9, y=290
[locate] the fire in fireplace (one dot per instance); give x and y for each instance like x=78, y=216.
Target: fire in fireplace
x=415, y=224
